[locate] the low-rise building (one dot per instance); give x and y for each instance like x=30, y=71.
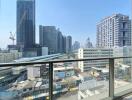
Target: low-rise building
x=37, y=71
x=6, y=57
x=84, y=76
x=61, y=71
x=93, y=53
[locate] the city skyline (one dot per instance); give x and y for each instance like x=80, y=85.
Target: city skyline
x=65, y=49
x=72, y=19
x=54, y=40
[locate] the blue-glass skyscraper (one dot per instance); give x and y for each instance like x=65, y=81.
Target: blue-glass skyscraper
x=25, y=24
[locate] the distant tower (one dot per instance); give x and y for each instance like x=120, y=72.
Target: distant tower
x=76, y=45
x=64, y=44
x=68, y=44
x=59, y=41
x=88, y=43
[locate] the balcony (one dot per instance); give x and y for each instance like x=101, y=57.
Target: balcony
x=45, y=80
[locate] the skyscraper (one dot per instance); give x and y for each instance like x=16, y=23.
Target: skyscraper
x=48, y=37
x=25, y=24
x=114, y=31
x=53, y=38
x=60, y=41
x=64, y=44
x=68, y=44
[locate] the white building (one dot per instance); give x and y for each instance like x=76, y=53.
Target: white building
x=37, y=71
x=114, y=31
x=6, y=57
x=33, y=72
x=89, y=90
x=44, y=51
x=93, y=53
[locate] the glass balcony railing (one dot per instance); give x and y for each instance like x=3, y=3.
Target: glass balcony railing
x=65, y=80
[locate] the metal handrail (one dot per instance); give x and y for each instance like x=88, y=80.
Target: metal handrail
x=51, y=62
x=57, y=61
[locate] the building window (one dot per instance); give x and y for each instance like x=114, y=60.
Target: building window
x=124, y=33
x=124, y=25
x=124, y=42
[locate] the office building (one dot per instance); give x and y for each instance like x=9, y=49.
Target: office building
x=114, y=31
x=25, y=24
x=59, y=42
x=84, y=53
x=54, y=40
x=64, y=44
x=68, y=44
x=76, y=45
x=48, y=38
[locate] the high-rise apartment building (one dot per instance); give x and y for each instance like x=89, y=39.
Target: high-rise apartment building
x=114, y=31
x=25, y=24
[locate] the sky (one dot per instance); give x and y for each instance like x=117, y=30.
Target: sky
x=77, y=18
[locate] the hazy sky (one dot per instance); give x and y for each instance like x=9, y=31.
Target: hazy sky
x=77, y=18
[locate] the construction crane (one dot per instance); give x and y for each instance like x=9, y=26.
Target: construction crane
x=12, y=37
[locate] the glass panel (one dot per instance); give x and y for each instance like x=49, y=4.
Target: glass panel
x=24, y=82
x=123, y=76
x=47, y=30
x=73, y=84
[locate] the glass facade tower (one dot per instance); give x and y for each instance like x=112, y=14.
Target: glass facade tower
x=25, y=23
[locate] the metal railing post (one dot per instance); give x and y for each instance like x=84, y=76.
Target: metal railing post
x=50, y=81
x=111, y=78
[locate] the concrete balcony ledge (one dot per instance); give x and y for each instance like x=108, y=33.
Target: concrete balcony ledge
x=120, y=93
x=123, y=91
